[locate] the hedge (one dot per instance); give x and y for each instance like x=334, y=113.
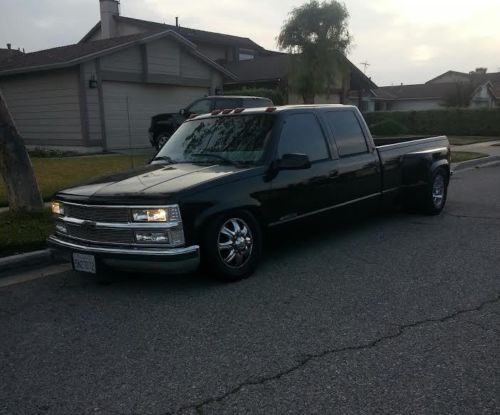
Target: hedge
x=447, y=122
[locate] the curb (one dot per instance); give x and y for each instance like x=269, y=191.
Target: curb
x=27, y=260
x=475, y=163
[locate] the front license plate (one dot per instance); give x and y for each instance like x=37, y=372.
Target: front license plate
x=84, y=263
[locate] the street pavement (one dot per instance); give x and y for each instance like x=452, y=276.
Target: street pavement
x=392, y=313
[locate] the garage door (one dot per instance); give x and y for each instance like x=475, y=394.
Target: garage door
x=144, y=101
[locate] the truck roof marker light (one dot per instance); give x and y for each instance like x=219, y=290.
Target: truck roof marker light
x=238, y=110
x=216, y=112
x=227, y=110
x=271, y=109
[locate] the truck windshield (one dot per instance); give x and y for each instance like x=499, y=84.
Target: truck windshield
x=236, y=139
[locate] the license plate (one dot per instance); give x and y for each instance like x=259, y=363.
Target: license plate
x=84, y=263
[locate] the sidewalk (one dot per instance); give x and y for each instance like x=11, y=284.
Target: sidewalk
x=487, y=147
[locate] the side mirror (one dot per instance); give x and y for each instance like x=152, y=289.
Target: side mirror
x=184, y=112
x=293, y=162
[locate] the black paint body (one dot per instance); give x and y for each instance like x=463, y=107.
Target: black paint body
x=386, y=173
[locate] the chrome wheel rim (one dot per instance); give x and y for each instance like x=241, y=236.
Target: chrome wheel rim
x=162, y=140
x=438, y=189
x=235, y=243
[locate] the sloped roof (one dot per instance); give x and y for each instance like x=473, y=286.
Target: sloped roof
x=495, y=89
x=65, y=56
x=261, y=68
x=417, y=91
x=446, y=74
x=6, y=54
x=194, y=35
x=272, y=66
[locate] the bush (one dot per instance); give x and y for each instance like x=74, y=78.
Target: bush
x=446, y=121
x=388, y=128
x=274, y=95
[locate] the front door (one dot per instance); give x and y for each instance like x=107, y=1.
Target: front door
x=300, y=192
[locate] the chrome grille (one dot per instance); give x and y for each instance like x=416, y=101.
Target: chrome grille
x=116, y=236
x=97, y=214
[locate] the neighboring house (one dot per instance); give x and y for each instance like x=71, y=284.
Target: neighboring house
x=101, y=95
x=102, y=92
x=474, y=90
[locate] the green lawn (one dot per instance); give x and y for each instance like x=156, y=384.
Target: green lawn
x=459, y=156
x=464, y=140
x=24, y=233
x=54, y=174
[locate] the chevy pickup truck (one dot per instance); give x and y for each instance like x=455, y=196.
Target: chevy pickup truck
x=225, y=178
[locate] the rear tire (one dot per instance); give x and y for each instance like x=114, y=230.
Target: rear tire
x=232, y=246
x=435, y=194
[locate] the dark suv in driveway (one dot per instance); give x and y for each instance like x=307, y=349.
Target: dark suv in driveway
x=164, y=125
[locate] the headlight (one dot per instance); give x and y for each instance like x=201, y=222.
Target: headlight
x=167, y=214
x=57, y=208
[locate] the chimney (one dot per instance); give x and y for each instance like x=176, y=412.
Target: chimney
x=109, y=9
x=9, y=46
x=177, y=22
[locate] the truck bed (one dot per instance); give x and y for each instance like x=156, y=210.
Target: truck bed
x=407, y=159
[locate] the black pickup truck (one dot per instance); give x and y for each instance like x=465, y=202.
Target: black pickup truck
x=225, y=178
x=164, y=125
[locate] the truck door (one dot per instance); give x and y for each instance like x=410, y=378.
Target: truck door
x=359, y=175
x=298, y=192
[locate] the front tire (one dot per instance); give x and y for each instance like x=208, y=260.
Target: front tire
x=161, y=140
x=232, y=246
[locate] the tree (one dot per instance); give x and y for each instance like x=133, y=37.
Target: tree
x=460, y=96
x=317, y=37
x=15, y=165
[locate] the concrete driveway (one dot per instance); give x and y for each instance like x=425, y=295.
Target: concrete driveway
x=395, y=313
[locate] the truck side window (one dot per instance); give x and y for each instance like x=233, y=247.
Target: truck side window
x=302, y=134
x=347, y=133
x=201, y=107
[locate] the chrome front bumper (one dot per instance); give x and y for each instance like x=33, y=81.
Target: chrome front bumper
x=174, y=260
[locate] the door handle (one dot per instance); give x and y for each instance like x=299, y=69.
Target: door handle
x=333, y=173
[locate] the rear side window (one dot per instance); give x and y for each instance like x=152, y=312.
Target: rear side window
x=256, y=103
x=222, y=104
x=302, y=134
x=347, y=133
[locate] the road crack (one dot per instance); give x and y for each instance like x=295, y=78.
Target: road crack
x=198, y=407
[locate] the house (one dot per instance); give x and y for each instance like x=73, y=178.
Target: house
x=271, y=70
x=100, y=93
x=474, y=90
x=253, y=65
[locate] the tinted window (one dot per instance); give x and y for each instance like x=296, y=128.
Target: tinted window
x=238, y=138
x=347, y=132
x=201, y=107
x=302, y=134
x=256, y=103
x=222, y=104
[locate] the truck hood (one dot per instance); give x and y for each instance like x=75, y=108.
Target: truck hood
x=152, y=180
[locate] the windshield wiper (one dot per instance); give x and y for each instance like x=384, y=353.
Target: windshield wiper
x=164, y=158
x=216, y=156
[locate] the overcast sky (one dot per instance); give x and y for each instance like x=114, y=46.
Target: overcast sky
x=408, y=41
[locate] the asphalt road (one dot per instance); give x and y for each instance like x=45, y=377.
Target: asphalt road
x=394, y=313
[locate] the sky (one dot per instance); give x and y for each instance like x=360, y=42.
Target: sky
x=404, y=41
